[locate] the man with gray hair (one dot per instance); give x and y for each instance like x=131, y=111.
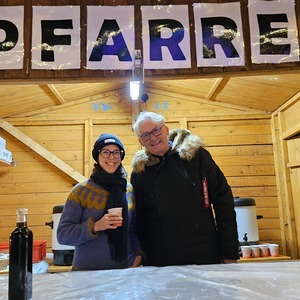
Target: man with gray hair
x=185, y=208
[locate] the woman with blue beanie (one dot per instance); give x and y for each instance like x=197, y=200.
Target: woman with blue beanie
x=102, y=240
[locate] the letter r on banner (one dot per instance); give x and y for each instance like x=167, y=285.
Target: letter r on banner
x=166, y=40
x=157, y=41
x=219, y=40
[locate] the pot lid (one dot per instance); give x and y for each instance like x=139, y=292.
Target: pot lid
x=244, y=201
x=58, y=209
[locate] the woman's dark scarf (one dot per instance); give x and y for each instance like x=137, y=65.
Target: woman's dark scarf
x=115, y=184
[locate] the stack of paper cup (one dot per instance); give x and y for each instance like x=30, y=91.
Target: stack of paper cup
x=274, y=249
x=246, y=251
x=255, y=250
x=264, y=250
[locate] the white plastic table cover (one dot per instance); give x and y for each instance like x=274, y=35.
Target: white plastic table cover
x=270, y=280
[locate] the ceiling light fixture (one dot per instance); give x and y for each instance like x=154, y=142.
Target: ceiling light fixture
x=137, y=75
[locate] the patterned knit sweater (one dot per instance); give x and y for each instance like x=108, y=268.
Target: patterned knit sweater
x=85, y=205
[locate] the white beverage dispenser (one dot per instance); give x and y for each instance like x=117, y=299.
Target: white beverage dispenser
x=62, y=254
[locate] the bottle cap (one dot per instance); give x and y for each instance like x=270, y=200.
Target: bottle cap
x=22, y=211
x=22, y=215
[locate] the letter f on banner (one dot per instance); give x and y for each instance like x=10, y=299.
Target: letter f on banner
x=50, y=39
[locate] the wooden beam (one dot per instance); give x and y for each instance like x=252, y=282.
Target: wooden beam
x=214, y=90
x=88, y=145
x=183, y=123
x=55, y=92
x=135, y=110
x=41, y=151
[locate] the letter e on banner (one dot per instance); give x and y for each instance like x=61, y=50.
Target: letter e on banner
x=166, y=40
x=55, y=37
x=11, y=37
x=274, y=35
x=219, y=40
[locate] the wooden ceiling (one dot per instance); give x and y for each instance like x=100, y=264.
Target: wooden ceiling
x=262, y=87
x=264, y=92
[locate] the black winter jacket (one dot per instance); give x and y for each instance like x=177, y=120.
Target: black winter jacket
x=174, y=225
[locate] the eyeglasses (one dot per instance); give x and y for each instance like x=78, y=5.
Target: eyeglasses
x=155, y=131
x=106, y=153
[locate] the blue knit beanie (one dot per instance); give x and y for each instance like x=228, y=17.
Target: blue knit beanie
x=107, y=139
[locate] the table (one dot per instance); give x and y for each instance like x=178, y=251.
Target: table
x=272, y=280
x=55, y=269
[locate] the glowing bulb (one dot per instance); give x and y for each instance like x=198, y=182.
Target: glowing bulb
x=134, y=90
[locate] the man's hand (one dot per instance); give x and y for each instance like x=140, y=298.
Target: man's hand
x=137, y=261
x=228, y=261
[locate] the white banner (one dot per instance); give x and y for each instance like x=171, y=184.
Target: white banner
x=55, y=37
x=219, y=34
x=11, y=37
x=166, y=37
x=110, y=37
x=274, y=35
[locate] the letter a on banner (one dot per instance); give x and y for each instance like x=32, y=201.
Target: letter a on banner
x=166, y=40
x=110, y=37
x=219, y=38
x=11, y=37
x=274, y=35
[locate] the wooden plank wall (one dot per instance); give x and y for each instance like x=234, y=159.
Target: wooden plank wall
x=243, y=149
x=285, y=132
x=293, y=146
x=240, y=144
x=35, y=183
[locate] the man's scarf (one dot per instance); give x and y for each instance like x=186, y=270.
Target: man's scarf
x=115, y=184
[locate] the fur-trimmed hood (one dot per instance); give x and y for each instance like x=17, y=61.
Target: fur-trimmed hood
x=182, y=141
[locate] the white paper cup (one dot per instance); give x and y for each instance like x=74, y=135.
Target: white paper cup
x=116, y=210
x=274, y=249
x=246, y=251
x=255, y=250
x=264, y=250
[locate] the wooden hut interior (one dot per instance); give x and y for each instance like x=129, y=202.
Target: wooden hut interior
x=248, y=117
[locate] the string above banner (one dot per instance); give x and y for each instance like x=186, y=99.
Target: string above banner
x=166, y=34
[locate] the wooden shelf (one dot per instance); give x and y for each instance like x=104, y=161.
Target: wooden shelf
x=58, y=269
x=264, y=259
x=4, y=163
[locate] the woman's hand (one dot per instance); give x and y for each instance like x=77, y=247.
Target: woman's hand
x=108, y=221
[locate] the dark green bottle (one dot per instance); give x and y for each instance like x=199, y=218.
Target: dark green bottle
x=20, y=259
